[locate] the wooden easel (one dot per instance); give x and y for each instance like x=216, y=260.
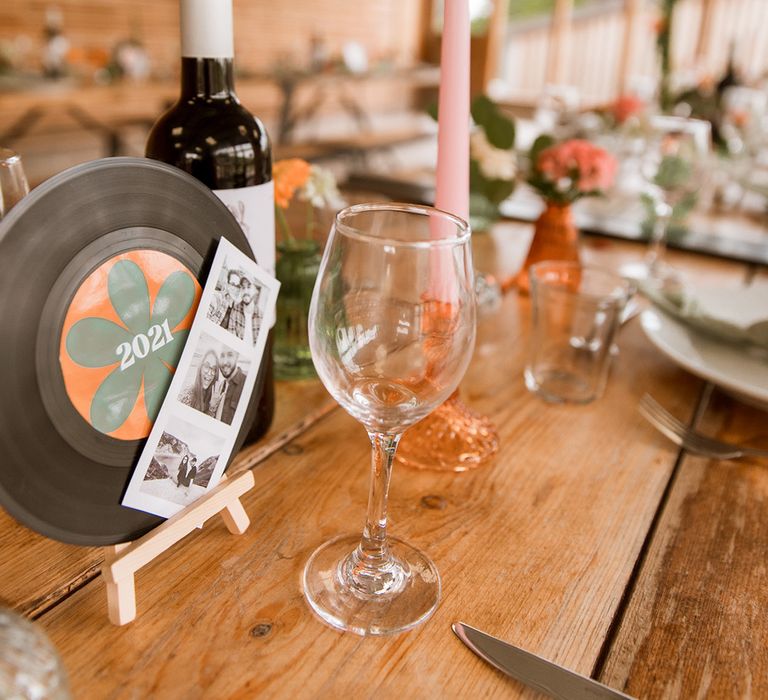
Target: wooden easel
x=122, y=561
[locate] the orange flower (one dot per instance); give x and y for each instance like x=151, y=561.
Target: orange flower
x=289, y=175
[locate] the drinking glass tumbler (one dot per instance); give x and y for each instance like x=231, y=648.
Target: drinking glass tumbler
x=576, y=312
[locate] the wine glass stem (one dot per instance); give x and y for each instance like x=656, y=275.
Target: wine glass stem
x=373, y=545
x=658, y=246
x=371, y=570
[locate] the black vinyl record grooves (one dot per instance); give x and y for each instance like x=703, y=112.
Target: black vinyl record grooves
x=59, y=475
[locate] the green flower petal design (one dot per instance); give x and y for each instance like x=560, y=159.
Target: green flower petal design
x=171, y=352
x=174, y=299
x=129, y=295
x=115, y=398
x=157, y=379
x=93, y=342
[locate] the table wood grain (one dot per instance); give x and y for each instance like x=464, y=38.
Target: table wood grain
x=695, y=625
x=38, y=572
x=537, y=548
x=590, y=540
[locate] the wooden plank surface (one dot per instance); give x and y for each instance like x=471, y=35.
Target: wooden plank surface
x=696, y=625
x=37, y=571
x=536, y=548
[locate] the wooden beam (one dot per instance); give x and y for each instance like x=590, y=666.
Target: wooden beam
x=497, y=29
x=631, y=14
x=705, y=29
x=426, y=37
x=558, y=51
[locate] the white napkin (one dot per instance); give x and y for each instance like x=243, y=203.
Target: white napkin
x=737, y=314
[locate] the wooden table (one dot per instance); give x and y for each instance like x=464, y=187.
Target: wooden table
x=590, y=540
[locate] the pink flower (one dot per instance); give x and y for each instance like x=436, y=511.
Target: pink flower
x=625, y=107
x=579, y=164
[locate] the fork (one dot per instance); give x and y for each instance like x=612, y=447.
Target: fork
x=688, y=438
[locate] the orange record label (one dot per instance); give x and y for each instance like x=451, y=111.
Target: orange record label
x=122, y=338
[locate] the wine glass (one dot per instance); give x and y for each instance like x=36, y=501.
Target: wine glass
x=743, y=128
x=13, y=181
x=391, y=330
x=743, y=122
x=673, y=167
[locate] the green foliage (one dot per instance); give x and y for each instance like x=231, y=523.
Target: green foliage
x=673, y=172
x=482, y=212
x=677, y=220
x=494, y=190
x=527, y=9
x=523, y=9
x=542, y=142
x=537, y=180
x=499, y=129
x=664, y=49
x=487, y=193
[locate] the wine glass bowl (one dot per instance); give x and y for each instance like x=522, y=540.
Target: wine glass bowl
x=392, y=357
x=391, y=330
x=675, y=162
x=674, y=169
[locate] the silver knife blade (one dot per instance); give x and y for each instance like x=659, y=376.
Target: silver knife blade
x=532, y=670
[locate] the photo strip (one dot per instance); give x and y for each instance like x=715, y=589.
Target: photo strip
x=193, y=437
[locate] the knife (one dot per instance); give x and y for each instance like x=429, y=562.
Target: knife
x=532, y=670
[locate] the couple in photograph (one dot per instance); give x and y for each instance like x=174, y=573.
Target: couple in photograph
x=217, y=387
x=236, y=307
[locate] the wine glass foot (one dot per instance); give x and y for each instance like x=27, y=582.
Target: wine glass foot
x=410, y=596
x=452, y=438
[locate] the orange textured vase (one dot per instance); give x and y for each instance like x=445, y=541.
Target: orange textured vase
x=555, y=237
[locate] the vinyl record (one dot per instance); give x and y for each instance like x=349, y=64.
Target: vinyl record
x=93, y=257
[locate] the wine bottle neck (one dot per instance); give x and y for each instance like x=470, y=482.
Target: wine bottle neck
x=206, y=48
x=207, y=77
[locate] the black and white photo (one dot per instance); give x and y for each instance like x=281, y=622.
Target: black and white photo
x=236, y=304
x=182, y=464
x=215, y=379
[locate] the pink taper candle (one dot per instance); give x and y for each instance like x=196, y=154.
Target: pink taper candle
x=452, y=180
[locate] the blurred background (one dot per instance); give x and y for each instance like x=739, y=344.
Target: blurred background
x=81, y=79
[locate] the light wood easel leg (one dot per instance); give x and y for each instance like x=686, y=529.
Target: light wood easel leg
x=121, y=593
x=122, y=561
x=235, y=517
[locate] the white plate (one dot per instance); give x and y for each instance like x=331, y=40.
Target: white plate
x=739, y=368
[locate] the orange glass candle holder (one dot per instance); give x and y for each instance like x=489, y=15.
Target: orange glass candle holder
x=555, y=237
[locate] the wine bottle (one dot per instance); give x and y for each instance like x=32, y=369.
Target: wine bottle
x=210, y=135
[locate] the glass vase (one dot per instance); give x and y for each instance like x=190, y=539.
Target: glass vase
x=555, y=237
x=297, y=265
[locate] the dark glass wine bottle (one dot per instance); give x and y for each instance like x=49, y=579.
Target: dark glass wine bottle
x=210, y=135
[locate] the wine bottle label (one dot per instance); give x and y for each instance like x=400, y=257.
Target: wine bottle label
x=206, y=29
x=254, y=209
